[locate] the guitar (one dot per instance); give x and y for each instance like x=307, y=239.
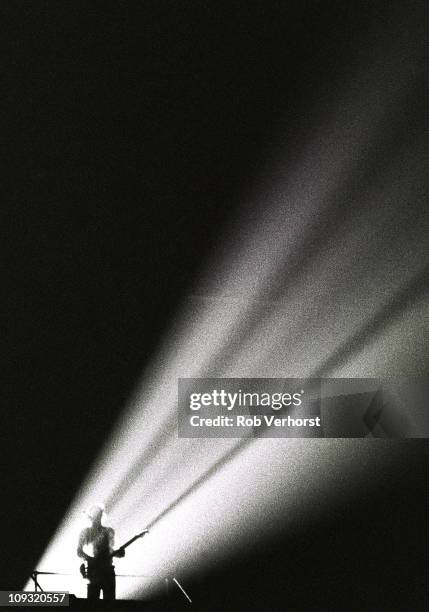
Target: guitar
x=94, y=566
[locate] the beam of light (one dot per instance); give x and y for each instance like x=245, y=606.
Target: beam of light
x=324, y=276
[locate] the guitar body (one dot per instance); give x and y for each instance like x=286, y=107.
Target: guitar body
x=95, y=569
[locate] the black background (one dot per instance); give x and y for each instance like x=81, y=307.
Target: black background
x=130, y=131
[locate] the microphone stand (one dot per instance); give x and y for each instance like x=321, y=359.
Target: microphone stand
x=36, y=582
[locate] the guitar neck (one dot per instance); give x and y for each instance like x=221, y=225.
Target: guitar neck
x=130, y=541
x=136, y=537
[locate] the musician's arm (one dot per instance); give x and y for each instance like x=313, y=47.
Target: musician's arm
x=80, y=552
x=116, y=553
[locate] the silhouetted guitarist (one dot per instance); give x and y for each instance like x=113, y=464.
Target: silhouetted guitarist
x=99, y=569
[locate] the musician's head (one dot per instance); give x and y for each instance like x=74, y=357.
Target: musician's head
x=95, y=513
